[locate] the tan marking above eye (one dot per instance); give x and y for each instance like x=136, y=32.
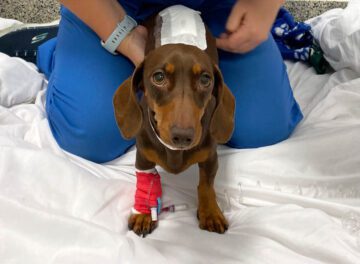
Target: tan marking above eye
x=169, y=68
x=196, y=69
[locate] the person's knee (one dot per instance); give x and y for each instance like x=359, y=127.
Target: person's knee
x=252, y=137
x=261, y=131
x=45, y=55
x=93, y=139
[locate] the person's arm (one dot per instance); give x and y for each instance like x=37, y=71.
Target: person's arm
x=102, y=16
x=248, y=24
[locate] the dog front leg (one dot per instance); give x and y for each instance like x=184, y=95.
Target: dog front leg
x=209, y=214
x=142, y=223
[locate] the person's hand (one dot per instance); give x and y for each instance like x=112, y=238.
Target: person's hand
x=248, y=25
x=133, y=45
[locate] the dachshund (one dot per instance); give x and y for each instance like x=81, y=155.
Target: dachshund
x=178, y=108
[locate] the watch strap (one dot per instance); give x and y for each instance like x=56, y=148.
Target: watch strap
x=122, y=29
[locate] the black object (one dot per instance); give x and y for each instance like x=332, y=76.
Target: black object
x=23, y=42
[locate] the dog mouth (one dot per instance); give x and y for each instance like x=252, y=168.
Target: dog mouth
x=153, y=121
x=154, y=126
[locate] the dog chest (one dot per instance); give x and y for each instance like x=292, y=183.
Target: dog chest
x=175, y=161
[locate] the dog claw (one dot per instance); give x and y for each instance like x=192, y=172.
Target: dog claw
x=213, y=222
x=141, y=224
x=145, y=233
x=130, y=226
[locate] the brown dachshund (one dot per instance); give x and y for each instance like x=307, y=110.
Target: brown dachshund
x=185, y=111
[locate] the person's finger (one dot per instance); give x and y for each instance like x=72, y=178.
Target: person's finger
x=235, y=18
x=227, y=45
x=246, y=47
x=142, y=30
x=136, y=45
x=235, y=40
x=223, y=35
x=241, y=35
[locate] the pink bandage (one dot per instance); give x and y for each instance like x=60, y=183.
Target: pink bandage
x=148, y=190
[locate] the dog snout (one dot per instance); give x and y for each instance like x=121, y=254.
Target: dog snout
x=182, y=137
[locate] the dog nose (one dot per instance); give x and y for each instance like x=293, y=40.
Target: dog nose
x=182, y=137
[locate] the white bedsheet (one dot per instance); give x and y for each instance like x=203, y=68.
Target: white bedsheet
x=285, y=203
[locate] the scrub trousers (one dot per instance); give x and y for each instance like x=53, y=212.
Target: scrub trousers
x=83, y=78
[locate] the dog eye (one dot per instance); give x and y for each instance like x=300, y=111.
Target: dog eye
x=205, y=80
x=159, y=77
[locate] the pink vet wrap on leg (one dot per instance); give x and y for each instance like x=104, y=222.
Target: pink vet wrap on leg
x=148, y=190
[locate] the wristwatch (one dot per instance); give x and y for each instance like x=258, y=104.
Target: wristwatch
x=122, y=29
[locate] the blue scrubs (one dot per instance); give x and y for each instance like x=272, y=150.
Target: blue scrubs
x=83, y=77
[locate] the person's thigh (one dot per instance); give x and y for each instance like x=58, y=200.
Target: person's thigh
x=266, y=111
x=83, y=80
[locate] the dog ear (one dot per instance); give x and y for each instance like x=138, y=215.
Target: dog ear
x=128, y=113
x=222, y=121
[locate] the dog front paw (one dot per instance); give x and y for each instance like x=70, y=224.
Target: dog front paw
x=212, y=220
x=141, y=224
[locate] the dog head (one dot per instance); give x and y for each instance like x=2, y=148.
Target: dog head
x=179, y=82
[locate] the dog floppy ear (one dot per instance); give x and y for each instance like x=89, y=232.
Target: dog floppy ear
x=128, y=113
x=222, y=121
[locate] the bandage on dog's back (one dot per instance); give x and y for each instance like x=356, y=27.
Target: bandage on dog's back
x=180, y=24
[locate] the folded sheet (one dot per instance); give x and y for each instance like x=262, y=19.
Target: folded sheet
x=14, y=89
x=338, y=32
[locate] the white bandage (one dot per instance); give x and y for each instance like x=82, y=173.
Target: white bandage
x=181, y=24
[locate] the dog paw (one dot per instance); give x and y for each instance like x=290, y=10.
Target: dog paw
x=212, y=221
x=141, y=224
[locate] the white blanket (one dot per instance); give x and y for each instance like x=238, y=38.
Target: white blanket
x=293, y=202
